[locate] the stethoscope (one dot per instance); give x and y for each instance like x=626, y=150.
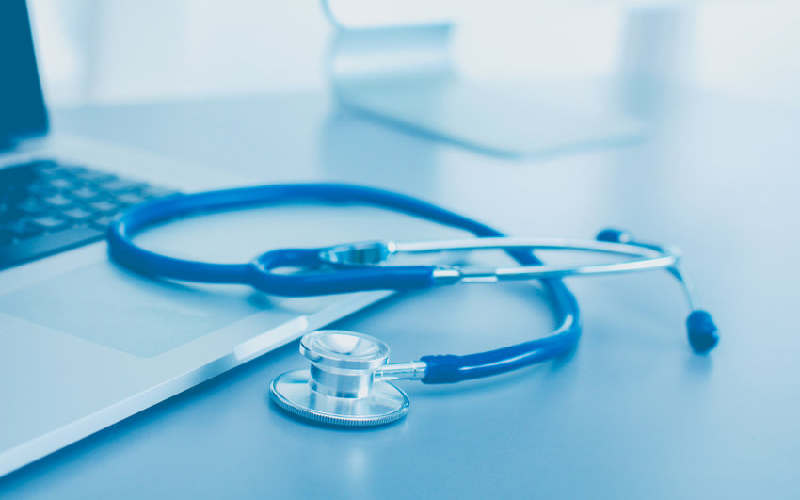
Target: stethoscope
x=349, y=381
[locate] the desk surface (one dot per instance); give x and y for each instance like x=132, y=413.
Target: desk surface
x=632, y=413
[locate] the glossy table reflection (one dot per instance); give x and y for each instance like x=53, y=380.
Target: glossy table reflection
x=632, y=413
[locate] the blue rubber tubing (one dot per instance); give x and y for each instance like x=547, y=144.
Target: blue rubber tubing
x=440, y=368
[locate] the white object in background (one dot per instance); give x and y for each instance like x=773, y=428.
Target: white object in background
x=403, y=75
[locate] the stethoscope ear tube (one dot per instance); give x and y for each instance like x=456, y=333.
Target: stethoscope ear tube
x=123, y=249
x=344, y=280
x=700, y=328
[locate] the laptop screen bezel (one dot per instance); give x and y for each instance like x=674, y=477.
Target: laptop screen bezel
x=22, y=108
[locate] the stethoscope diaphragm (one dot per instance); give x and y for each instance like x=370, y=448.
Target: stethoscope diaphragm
x=343, y=386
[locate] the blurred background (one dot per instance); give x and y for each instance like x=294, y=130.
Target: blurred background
x=113, y=51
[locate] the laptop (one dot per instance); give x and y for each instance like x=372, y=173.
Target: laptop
x=85, y=343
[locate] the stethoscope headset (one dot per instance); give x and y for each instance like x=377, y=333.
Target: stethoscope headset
x=349, y=381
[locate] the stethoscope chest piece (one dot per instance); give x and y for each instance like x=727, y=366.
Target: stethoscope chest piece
x=341, y=388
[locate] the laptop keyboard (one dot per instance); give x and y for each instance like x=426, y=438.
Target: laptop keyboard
x=47, y=207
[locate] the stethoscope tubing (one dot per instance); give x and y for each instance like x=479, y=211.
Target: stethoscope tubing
x=119, y=234
x=439, y=369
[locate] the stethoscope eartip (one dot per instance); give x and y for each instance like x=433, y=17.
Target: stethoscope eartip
x=702, y=331
x=614, y=236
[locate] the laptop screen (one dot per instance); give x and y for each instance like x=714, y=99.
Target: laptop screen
x=22, y=111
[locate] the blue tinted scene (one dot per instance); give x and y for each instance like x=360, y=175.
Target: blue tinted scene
x=399, y=249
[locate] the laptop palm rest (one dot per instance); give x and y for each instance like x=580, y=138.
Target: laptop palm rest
x=91, y=345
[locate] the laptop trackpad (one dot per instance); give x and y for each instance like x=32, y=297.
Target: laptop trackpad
x=118, y=309
x=111, y=306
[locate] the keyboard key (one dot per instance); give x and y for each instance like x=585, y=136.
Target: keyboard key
x=130, y=198
x=47, y=207
x=84, y=193
x=17, y=175
x=42, y=165
x=13, y=194
x=103, y=206
x=47, y=244
x=50, y=223
x=30, y=206
x=9, y=213
x=6, y=237
x=74, y=171
x=58, y=201
x=40, y=188
x=50, y=175
x=102, y=222
x=20, y=228
x=77, y=214
x=96, y=176
x=61, y=183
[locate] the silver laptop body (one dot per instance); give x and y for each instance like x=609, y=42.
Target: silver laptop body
x=85, y=343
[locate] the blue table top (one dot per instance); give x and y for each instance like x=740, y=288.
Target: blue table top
x=631, y=413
